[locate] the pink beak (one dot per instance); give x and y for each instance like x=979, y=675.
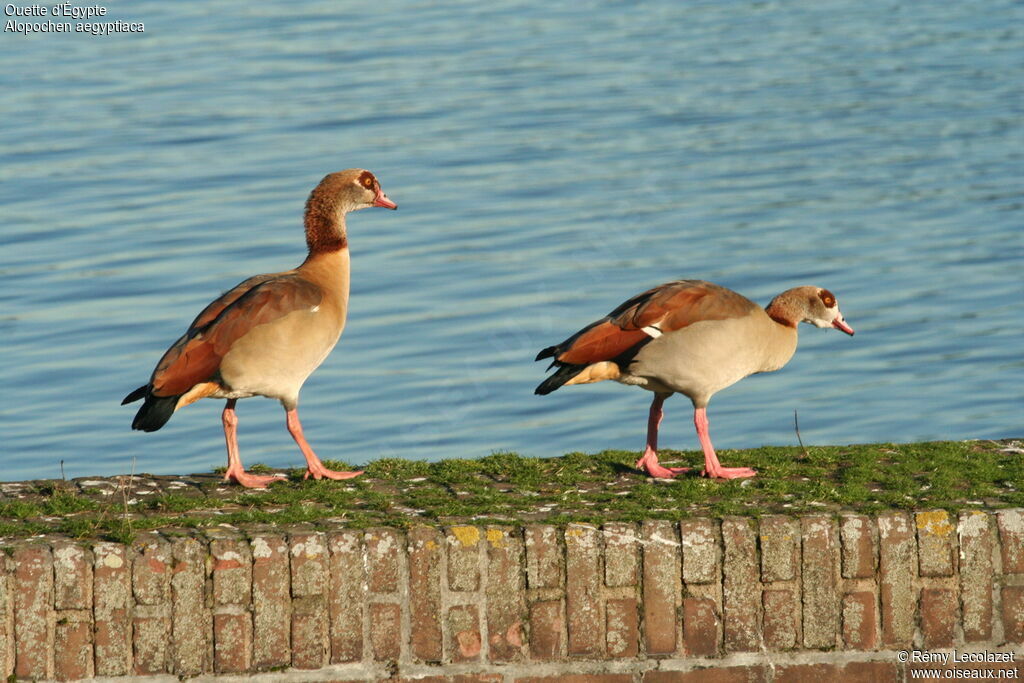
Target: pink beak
x=382, y=200
x=840, y=324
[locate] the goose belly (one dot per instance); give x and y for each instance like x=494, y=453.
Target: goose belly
x=275, y=359
x=702, y=359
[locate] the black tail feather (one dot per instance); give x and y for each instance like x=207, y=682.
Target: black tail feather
x=562, y=375
x=135, y=395
x=549, y=352
x=154, y=413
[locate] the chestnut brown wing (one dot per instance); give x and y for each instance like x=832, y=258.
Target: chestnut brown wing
x=663, y=309
x=196, y=356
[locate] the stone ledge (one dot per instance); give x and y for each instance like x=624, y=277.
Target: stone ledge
x=505, y=488
x=783, y=598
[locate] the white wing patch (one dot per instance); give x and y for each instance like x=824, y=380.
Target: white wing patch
x=652, y=331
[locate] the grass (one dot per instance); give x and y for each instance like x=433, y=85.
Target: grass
x=508, y=488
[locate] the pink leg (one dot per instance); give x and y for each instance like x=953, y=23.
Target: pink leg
x=713, y=468
x=314, y=468
x=235, y=471
x=648, y=462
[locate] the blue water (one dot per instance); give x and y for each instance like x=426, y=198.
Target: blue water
x=550, y=160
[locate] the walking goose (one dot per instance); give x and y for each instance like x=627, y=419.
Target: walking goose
x=265, y=336
x=689, y=337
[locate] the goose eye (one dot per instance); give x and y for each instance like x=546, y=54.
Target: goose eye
x=366, y=180
x=827, y=298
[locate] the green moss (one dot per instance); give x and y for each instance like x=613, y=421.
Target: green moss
x=19, y=509
x=504, y=488
x=63, y=502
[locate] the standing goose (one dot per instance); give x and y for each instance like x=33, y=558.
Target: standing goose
x=694, y=338
x=265, y=336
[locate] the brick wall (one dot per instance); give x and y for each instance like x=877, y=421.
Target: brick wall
x=780, y=598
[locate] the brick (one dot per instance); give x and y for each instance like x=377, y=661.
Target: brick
x=781, y=620
x=191, y=621
x=232, y=571
x=232, y=640
x=896, y=564
x=621, y=560
x=463, y=558
x=73, y=648
x=309, y=632
x=547, y=628
x=1013, y=614
x=859, y=620
x=582, y=590
x=975, y=535
x=385, y=631
x=938, y=617
x=505, y=597
x=425, y=546
x=382, y=550
x=345, y=598
x=33, y=598
x=271, y=601
x=718, y=674
x=1011, y=539
x=780, y=548
x=741, y=590
x=309, y=570
x=859, y=547
x=151, y=639
x=73, y=652
x=543, y=557
x=871, y=672
x=309, y=577
x=151, y=576
x=622, y=628
x=935, y=543
x=6, y=622
x=662, y=589
x=112, y=595
x=72, y=574
x=464, y=625
x=151, y=620
x=700, y=627
x=578, y=678
x=232, y=591
x=853, y=672
x=820, y=594
x=700, y=551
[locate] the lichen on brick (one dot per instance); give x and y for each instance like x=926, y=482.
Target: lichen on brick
x=497, y=538
x=935, y=543
x=700, y=550
x=779, y=544
x=896, y=567
x=468, y=536
x=858, y=547
x=935, y=522
x=1011, y=537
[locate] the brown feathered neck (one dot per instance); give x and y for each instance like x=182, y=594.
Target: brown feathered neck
x=794, y=305
x=325, y=221
x=784, y=310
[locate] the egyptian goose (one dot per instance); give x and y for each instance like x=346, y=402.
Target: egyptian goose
x=265, y=336
x=694, y=338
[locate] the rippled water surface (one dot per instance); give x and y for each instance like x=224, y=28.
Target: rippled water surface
x=550, y=160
